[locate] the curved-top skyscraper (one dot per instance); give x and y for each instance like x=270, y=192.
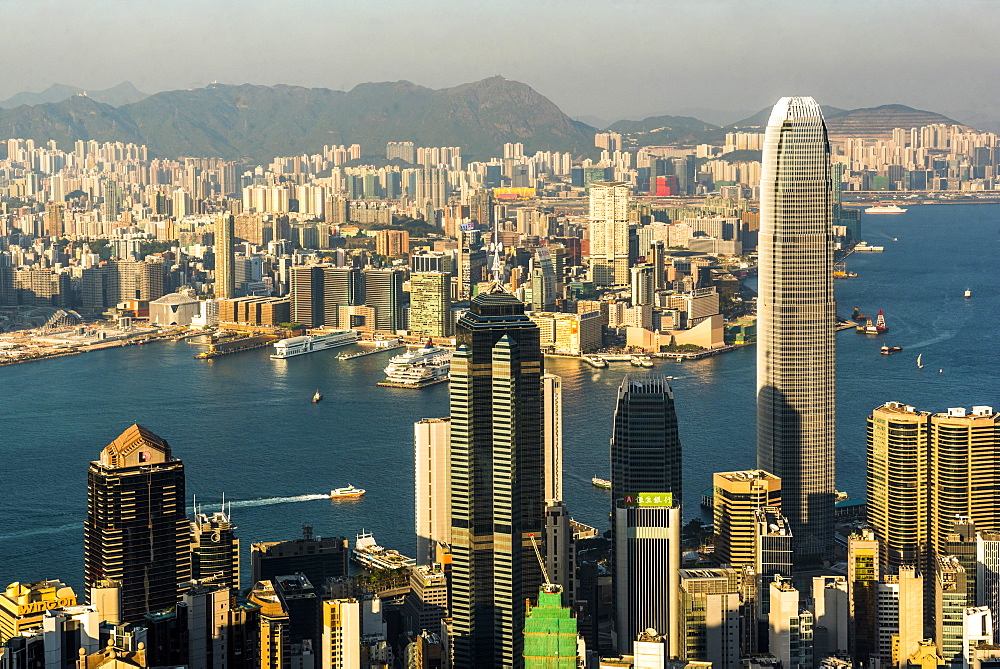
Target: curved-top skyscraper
x=795, y=321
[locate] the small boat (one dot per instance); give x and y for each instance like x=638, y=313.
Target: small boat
x=858, y=316
x=895, y=239
x=889, y=350
x=317, y=396
x=868, y=328
x=641, y=361
x=601, y=483
x=920, y=365
x=940, y=371
x=348, y=491
x=968, y=293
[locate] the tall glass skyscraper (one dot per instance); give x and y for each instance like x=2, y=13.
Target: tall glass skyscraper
x=497, y=478
x=645, y=466
x=795, y=321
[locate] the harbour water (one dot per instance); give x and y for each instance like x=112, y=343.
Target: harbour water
x=244, y=425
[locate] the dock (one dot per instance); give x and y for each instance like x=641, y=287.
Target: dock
x=396, y=384
x=236, y=346
x=360, y=354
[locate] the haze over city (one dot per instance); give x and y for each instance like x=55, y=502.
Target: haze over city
x=599, y=61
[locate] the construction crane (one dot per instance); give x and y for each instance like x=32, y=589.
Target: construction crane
x=547, y=585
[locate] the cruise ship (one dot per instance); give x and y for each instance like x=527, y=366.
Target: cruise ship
x=885, y=209
x=420, y=367
x=287, y=348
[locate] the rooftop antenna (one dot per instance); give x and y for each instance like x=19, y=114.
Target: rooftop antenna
x=223, y=503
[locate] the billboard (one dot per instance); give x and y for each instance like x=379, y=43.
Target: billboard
x=649, y=499
x=513, y=193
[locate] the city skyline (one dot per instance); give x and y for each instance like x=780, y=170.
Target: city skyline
x=220, y=41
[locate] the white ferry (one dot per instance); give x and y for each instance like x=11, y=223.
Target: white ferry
x=287, y=348
x=369, y=554
x=419, y=367
x=885, y=209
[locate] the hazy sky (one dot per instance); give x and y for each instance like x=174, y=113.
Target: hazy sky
x=605, y=58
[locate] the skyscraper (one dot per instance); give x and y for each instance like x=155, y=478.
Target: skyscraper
x=609, y=233
x=432, y=499
x=795, y=319
x=645, y=473
x=736, y=496
x=497, y=478
x=215, y=550
x=136, y=531
x=225, y=273
x=430, y=304
x=384, y=293
x=645, y=445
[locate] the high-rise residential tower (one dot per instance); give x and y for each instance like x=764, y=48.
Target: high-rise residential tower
x=136, y=532
x=795, y=320
x=497, y=478
x=225, y=272
x=609, y=233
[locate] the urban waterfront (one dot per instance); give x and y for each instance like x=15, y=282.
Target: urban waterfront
x=244, y=425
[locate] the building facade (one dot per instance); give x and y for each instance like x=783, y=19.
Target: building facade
x=795, y=317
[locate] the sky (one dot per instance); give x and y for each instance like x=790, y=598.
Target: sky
x=608, y=58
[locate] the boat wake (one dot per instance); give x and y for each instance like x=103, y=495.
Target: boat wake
x=40, y=531
x=267, y=501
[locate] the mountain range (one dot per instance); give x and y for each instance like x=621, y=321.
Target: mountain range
x=122, y=94
x=255, y=123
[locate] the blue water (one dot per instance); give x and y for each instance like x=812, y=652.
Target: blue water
x=244, y=425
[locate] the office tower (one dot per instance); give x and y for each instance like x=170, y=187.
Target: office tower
x=136, y=532
x=645, y=578
x=300, y=600
x=550, y=634
x=736, y=495
x=899, y=615
x=950, y=602
x=963, y=472
x=711, y=600
x=790, y=627
x=831, y=616
x=318, y=559
x=657, y=258
x=543, y=281
x=978, y=628
x=645, y=445
x=215, y=550
x=432, y=513
x=960, y=542
x=426, y=603
x=341, y=644
x=219, y=631
x=111, y=207
x=23, y=605
x=430, y=305
x=862, y=580
x=317, y=293
x=384, y=293
x=897, y=482
x=988, y=573
x=560, y=548
x=274, y=650
x=552, y=436
x=497, y=478
x=225, y=273
x=772, y=553
x=471, y=261
x=795, y=317
x=643, y=282
x=609, y=233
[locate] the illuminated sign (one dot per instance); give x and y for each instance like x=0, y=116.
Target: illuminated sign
x=514, y=193
x=649, y=499
x=39, y=607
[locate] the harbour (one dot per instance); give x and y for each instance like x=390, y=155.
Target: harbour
x=244, y=426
